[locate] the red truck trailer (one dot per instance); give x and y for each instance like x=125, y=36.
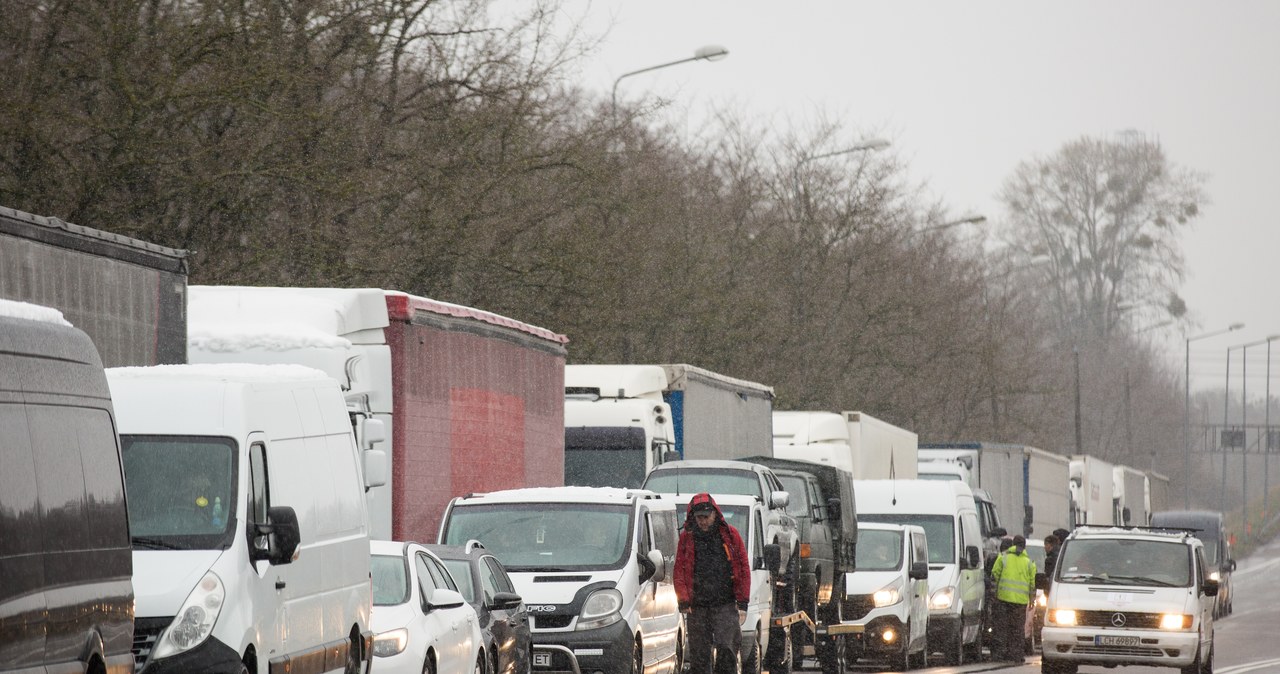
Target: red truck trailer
x=473, y=401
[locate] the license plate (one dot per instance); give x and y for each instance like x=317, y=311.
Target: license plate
x=541, y=659
x=1116, y=641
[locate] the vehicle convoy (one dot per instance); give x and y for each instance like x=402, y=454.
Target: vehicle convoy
x=421, y=619
x=820, y=498
x=1125, y=596
x=1130, y=496
x=593, y=565
x=246, y=508
x=621, y=421
x=747, y=514
x=66, y=600
x=857, y=442
x=129, y=296
x=946, y=512
x=1210, y=527
x=1028, y=486
x=472, y=400
x=1092, y=488
x=889, y=595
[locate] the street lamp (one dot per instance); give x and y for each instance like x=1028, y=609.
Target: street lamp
x=1244, y=423
x=708, y=53
x=971, y=220
x=866, y=145
x=1186, y=415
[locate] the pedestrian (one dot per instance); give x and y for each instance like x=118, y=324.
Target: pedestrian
x=713, y=583
x=1051, y=545
x=1015, y=576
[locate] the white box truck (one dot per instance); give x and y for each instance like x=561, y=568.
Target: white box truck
x=867, y=447
x=1130, y=497
x=1092, y=487
x=620, y=421
x=1027, y=485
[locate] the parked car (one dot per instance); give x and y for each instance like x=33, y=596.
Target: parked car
x=504, y=622
x=421, y=622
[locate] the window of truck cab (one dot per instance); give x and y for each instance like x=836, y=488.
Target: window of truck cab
x=181, y=491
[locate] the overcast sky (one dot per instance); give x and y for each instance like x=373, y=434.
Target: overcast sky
x=966, y=90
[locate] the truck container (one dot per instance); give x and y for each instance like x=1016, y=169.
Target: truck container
x=1027, y=485
x=1048, y=497
x=474, y=401
x=1158, y=497
x=866, y=447
x=1092, y=486
x=129, y=296
x=620, y=421
x=1129, y=496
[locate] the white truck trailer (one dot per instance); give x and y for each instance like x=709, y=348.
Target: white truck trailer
x=1027, y=485
x=622, y=420
x=1092, y=485
x=867, y=447
x=1130, y=497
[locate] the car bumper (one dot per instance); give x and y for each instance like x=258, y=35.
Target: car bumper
x=872, y=641
x=608, y=649
x=210, y=657
x=1083, y=645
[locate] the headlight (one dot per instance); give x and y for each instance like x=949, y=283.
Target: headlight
x=1041, y=599
x=1175, y=621
x=942, y=599
x=390, y=643
x=601, y=609
x=1062, y=616
x=1215, y=576
x=195, y=619
x=887, y=595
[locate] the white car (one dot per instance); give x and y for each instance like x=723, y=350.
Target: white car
x=421, y=622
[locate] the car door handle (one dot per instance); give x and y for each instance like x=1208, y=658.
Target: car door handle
x=279, y=584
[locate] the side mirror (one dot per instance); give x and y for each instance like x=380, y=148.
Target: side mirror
x=918, y=571
x=833, y=509
x=999, y=532
x=1209, y=587
x=283, y=536
x=505, y=601
x=973, y=557
x=443, y=598
x=772, y=557
x=1231, y=565
x=779, y=499
x=671, y=455
x=654, y=558
x=1126, y=514
x=375, y=468
x=372, y=431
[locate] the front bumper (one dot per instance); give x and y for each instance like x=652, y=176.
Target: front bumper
x=210, y=657
x=608, y=649
x=871, y=641
x=1084, y=645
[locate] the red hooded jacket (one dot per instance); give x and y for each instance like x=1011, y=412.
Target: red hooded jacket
x=733, y=546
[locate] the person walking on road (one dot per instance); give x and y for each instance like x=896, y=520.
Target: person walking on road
x=1015, y=577
x=713, y=583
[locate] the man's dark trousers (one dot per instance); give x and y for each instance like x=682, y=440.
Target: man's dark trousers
x=714, y=628
x=1007, y=631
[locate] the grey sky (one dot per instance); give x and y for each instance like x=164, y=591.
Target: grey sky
x=966, y=90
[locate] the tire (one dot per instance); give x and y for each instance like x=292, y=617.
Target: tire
x=923, y=662
x=637, y=657
x=481, y=664
x=901, y=662
x=428, y=665
x=954, y=653
x=831, y=649
x=353, y=655
x=778, y=657
x=751, y=658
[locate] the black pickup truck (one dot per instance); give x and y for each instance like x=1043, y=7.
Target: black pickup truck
x=821, y=500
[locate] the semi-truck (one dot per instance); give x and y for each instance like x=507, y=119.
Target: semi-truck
x=620, y=421
x=1130, y=498
x=1092, y=488
x=1158, y=492
x=474, y=401
x=1028, y=485
x=866, y=447
x=129, y=296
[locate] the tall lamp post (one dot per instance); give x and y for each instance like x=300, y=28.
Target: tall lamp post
x=971, y=220
x=708, y=53
x=866, y=145
x=1186, y=415
x=1244, y=423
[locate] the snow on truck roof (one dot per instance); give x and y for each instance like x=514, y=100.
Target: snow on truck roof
x=234, y=318
x=238, y=372
x=31, y=312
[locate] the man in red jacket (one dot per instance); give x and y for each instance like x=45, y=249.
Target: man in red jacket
x=713, y=583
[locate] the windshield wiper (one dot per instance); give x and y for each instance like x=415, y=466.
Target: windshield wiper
x=1142, y=580
x=155, y=543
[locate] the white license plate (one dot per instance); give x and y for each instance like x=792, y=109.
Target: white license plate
x=541, y=659
x=1116, y=641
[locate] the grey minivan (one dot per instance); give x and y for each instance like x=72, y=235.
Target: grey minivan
x=1210, y=528
x=66, y=599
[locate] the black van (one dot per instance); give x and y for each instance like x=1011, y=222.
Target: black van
x=66, y=598
x=1211, y=530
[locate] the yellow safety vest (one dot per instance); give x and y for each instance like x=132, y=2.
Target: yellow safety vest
x=1015, y=576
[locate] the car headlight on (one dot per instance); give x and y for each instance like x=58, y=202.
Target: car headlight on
x=942, y=599
x=887, y=595
x=1175, y=621
x=390, y=643
x=1041, y=600
x=1215, y=576
x=601, y=609
x=195, y=619
x=1062, y=616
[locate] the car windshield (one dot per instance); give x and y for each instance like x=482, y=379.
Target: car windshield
x=939, y=532
x=390, y=579
x=545, y=536
x=878, y=550
x=709, y=480
x=1118, y=561
x=798, y=504
x=460, y=569
x=181, y=491
x=1036, y=553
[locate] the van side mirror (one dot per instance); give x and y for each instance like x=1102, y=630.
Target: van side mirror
x=778, y=499
x=375, y=468
x=670, y=455
x=973, y=557
x=372, y=431
x=1126, y=514
x=652, y=566
x=772, y=558
x=283, y=536
x=1209, y=587
x=918, y=571
x=999, y=532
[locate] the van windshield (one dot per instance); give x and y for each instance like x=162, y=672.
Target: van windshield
x=546, y=536
x=1116, y=561
x=939, y=532
x=708, y=480
x=181, y=491
x=878, y=550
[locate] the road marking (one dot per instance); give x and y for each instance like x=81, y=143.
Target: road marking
x=1248, y=667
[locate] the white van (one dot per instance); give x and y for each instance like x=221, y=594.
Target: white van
x=946, y=512
x=593, y=565
x=247, y=512
x=889, y=595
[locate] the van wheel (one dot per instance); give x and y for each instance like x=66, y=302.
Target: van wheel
x=954, y=654
x=901, y=662
x=830, y=649
x=751, y=658
x=353, y=656
x=428, y=666
x=480, y=664
x=923, y=662
x=637, y=658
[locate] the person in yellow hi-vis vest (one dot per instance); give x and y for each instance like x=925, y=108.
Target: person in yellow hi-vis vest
x=1015, y=577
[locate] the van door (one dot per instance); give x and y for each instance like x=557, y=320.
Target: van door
x=919, y=592
x=1207, y=604
x=972, y=588
x=266, y=590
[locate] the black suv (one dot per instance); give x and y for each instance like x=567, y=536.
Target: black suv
x=504, y=624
